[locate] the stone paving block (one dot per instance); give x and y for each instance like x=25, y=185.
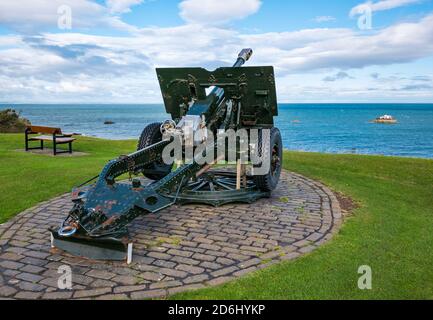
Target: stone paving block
x=8, y=234
x=28, y=286
x=126, y=280
x=11, y=256
x=182, y=253
x=32, y=269
x=82, y=279
x=60, y=295
x=10, y=273
x=307, y=249
x=203, y=257
x=290, y=256
x=6, y=291
x=210, y=265
x=101, y=274
x=203, y=240
x=165, y=284
x=164, y=263
x=188, y=243
x=28, y=295
x=254, y=249
x=16, y=250
x=19, y=243
x=29, y=277
x=150, y=294
x=173, y=272
x=271, y=255
x=211, y=246
x=113, y=297
x=3, y=243
x=183, y=260
x=50, y=282
x=7, y=264
x=34, y=261
x=225, y=261
x=225, y=271
x=302, y=243
x=195, y=279
x=143, y=260
x=124, y=271
x=218, y=281
x=190, y=287
x=249, y=263
x=159, y=255
x=124, y=289
x=91, y=293
x=151, y=276
x=98, y=283
x=190, y=269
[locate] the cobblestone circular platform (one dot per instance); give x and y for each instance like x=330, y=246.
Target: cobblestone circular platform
x=181, y=248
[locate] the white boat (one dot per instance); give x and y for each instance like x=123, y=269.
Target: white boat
x=387, y=119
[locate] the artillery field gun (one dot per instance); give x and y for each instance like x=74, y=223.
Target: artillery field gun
x=239, y=100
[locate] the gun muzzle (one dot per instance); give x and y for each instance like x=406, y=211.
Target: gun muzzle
x=245, y=54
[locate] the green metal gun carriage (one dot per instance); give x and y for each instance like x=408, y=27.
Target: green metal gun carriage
x=200, y=101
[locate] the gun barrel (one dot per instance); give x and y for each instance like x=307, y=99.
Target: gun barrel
x=243, y=57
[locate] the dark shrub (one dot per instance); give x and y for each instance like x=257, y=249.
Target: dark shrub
x=11, y=122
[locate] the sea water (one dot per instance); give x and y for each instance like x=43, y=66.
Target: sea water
x=330, y=128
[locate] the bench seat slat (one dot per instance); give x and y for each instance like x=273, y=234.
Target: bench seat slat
x=50, y=138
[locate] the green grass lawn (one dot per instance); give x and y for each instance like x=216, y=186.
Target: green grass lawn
x=27, y=179
x=391, y=231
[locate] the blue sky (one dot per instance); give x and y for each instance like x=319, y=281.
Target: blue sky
x=276, y=15
x=320, y=51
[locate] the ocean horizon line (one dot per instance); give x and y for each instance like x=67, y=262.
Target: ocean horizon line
x=161, y=103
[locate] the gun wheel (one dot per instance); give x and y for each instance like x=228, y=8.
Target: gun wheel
x=271, y=152
x=151, y=135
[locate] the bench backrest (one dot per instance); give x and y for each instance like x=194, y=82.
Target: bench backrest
x=46, y=130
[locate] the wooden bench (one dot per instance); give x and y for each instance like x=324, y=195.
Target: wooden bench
x=55, y=136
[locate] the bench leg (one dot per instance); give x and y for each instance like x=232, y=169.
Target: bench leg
x=54, y=148
x=70, y=147
x=42, y=144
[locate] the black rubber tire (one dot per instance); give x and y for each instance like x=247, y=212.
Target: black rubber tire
x=270, y=151
x=151, y=135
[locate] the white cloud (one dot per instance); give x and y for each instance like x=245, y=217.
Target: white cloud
x=320, y=19
x=217, y=12
x=31, y=16
x=380, y=6
x=338, y=76
x=68, y=87
x=349, y=49
x=121, y=6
